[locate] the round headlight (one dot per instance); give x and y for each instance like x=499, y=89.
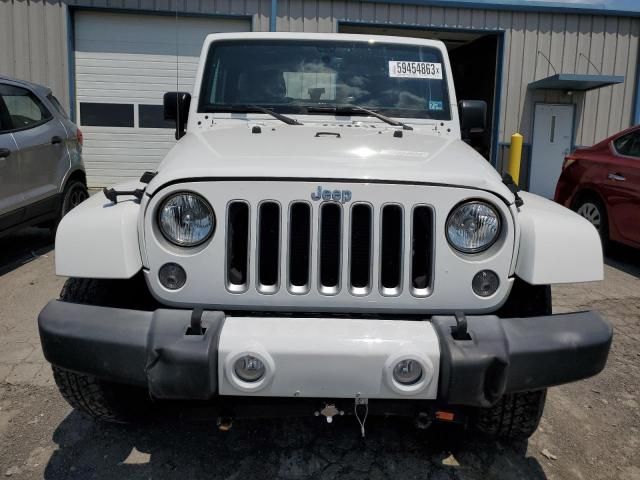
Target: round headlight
x=473, y=227
x=186, y=219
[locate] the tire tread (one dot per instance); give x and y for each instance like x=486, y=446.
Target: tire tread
x=95, y=397
x=515, y=416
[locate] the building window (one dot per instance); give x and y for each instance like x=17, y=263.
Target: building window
x=106, y=114
x=152, y=116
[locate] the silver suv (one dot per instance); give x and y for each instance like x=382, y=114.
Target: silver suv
x=42, y=176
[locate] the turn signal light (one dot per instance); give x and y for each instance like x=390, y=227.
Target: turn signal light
x=444, y=416
x=79, y=136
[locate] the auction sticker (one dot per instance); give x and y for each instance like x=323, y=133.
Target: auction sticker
x=402, y=69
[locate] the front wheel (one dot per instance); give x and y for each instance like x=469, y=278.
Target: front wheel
x=110, y=402
x=95, y=397
x=515, y=417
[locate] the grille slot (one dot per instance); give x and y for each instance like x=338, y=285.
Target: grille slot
x=237, y=247
x=330, y=247
x=299, y=256
x=360, y=249
x=421, y=251
x=268, y=245
x=391, y=250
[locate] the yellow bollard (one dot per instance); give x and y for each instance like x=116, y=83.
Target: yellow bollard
x=515, y=157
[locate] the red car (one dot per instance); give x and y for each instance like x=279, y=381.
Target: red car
x=602, y=183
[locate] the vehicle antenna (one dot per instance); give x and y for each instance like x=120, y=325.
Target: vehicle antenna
x=177, y=73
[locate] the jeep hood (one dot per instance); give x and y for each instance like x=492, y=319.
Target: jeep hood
x=324, y=152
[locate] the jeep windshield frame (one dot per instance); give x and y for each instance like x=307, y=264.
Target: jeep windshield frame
x=314, y=77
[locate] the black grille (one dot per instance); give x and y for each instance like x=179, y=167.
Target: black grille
x=421, y=247
x=237, y=243
x=269, y=244
x=299, y=244
x=384, y=249
x=391, y=247
x=330, y=244
x=360, y=248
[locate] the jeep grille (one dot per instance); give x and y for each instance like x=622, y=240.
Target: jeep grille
x=325, y=223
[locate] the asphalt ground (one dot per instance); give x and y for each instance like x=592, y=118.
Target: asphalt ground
x=590, y=429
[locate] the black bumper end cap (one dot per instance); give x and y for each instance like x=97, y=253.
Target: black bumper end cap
x=518, y=354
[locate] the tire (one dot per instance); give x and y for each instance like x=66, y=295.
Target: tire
x=526, y=300
x=591, y=208
x=105, y=401
x=75, y=192
x=95, y=397
x=515, y=417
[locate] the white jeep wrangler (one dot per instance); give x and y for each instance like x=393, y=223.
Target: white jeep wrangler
x=321, y=241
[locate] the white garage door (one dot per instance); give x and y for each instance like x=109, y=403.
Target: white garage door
x=124, y=63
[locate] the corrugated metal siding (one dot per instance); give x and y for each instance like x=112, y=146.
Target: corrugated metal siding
x=37, y=50
x=33, y=43
x=611, y=43
x=34, y=36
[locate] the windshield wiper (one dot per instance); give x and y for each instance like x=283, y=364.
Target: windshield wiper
x=255, y=108
x=279, y=116
x=358, y=109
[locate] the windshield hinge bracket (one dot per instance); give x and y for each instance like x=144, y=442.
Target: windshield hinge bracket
x=113, y=194
x=513, y=188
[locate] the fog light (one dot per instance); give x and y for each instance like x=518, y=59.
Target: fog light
x=485, y=283
x=249, y=368
x=172, y=276
x=407, y=372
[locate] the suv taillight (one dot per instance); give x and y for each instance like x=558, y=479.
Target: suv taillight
x=79, y=136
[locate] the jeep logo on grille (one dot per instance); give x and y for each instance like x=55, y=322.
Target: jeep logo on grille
x=342, y=196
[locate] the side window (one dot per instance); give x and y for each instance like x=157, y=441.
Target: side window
x=23, y=107
x=58, y=106
x=628, y=145
x=5, y=121
x=634, y=148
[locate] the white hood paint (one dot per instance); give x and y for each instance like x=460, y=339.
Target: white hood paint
x=368, y=151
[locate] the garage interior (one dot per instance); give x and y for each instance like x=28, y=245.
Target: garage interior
x=474, y=61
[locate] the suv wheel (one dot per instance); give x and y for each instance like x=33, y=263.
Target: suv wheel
x=95, y=397
x=74, y=194
x=515, y=417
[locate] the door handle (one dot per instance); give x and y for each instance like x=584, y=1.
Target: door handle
x=616, y=176
x=4, y=152
x=56, y=140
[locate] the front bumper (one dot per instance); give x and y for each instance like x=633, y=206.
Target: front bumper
x=325, y=358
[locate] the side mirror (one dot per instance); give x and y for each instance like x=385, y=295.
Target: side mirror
x=176, y=107
x=473, y=116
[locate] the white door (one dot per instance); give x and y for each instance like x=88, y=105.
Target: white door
x=552, y=140
x=124, y=63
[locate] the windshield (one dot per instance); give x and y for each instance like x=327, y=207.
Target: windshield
x=405, y=81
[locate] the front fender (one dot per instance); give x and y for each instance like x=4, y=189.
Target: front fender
x=99, y=239
x=556, y=244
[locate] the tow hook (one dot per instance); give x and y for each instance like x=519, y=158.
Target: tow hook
x=329, y=411
x=224, y=423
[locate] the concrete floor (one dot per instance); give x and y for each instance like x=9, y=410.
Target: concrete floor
x=590, y=429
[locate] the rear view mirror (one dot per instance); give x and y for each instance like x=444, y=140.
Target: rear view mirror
x=176, y=107
x=473, y=116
